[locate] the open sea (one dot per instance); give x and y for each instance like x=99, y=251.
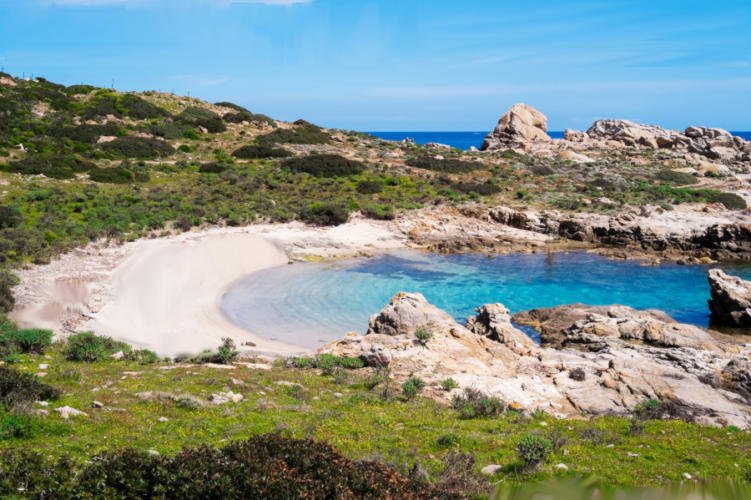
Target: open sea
x=465, y=140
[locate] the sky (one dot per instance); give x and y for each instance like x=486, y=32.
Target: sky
x=404, y=65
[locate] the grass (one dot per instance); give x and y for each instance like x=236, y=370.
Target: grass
x=356, y=421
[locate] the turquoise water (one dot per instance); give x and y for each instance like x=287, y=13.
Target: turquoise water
x=465, y=140
x=311, y=303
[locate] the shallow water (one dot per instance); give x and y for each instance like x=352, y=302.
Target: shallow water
x=308, y=304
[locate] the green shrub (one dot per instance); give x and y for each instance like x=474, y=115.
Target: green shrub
x=301, y=134
x=224, y=355
x=449, y=165
x=731, y=201
x=31, y=340
x=369, y=187
x=483, y=189
x=325, y=214
x=212, y=168
x=378, y=212
x=256, y=151
x=138, y=147
x=143, y=356
x=139, y=108
x=88, y=347
x=18, y=391
x=423, y=335
x=117, y=175
x=541, y=170
x=14, y=425
x=90, y=134
x=7, y=281
x=448, y=384
x=533, y=450
x=473, y=403
x=649, y=410
x=673, y=177
x=351, y=363
x=50, y=165
x=412, y=387
x=231, y=105
x=301, y=362
x=10, y=217
x=266, y=466
x=200, y=117
x=447, y=441
x=324, y=165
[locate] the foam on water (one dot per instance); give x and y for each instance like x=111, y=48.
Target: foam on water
x=308, y=304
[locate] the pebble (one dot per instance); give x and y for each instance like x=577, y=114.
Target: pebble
x=163, y=419
x=490, y=470
x=43, y=366
x=338, y=395
x=561, y=467
x=632, y=455
x=66, y=412
x=687, y=476
x=43, y=403
x=97, y=404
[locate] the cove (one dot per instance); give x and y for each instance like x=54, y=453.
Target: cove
x=309, y=304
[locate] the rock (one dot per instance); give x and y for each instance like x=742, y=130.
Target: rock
x=408, y=141
x=561, y=467
x=163, y=419
x=43, y=366
x=517, y=128
x=574, y=135
x=491, y=470
x=152, y=452
x=574, y=157
x=437, y=145
x=473, y=149
x=687, y=476
x=338, y=395
x=43, y=403
x=221, y=398
x=66, y=412
x=105, y=138
x=97, y=404
x=626, y=357
x=117, y=355
x=731, y=299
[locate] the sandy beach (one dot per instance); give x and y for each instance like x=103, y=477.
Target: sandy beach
x=163, y=294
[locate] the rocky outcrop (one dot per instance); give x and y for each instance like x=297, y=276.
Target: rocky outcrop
x=717, y=234
x=518, y=127
x=593, y=360
x=731, y=299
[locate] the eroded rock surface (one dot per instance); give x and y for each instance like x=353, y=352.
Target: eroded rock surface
x=593, y=360
x=731, y=299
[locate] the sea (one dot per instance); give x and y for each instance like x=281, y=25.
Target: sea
x=465, y=140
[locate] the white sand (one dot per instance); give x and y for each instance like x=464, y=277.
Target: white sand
x=164, y=294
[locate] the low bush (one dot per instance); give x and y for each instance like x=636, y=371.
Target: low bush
x=577, y=374
x=326, y=362
x=224, y=355
x=325, y=214
x=412, y=387
x=200, y=117
x=266, y=466
x=473, y=403
x=139, y=108
x=90, y=348
x=481, y=188
x=7, y=281
x=117, y=175
x=14, y=425
x=231, y=105
x=448, y=384
x=533, y=450
x=448, y=165
x=673, y=177
x=50, y=165
x=33, y=340
x=256, y=151
x=18, y=391
x=423, y=335
x=324, y=165
x=378, y=211
x=10, y=217
x=650, y=409
x=301, y=134
x=138, y=147
x=369, y=187
x=212, y=168
x=143, y=356
x=541, y=170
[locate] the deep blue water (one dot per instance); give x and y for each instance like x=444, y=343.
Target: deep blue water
x=465, y=140
x=310, y=303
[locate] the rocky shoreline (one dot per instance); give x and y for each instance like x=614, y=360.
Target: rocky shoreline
x=591, y=361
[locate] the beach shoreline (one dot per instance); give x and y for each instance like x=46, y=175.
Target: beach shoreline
x=164, y=294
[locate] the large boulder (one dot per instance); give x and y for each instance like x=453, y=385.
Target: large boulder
x=731, y=299
x=632, y=134
x=519, y=127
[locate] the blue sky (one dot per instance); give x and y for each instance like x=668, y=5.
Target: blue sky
x=404, y=64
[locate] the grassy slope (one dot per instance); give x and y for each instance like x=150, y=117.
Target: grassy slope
x=359, y=423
